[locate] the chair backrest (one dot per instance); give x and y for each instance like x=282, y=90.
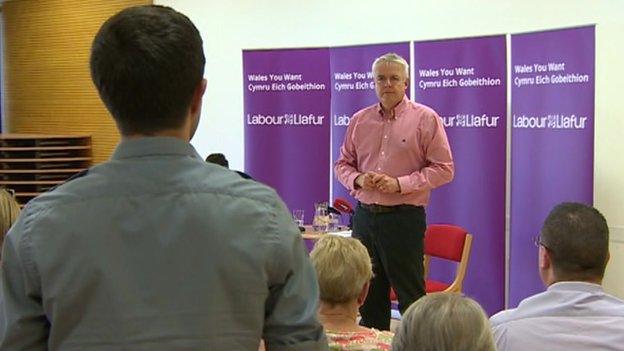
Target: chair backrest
x=449, y=242
x=445, y=241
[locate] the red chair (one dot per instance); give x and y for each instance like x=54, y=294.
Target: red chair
x=449, y=242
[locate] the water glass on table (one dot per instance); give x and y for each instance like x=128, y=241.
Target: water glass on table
x=333, y=224
x=320, y=221
x=298, y=217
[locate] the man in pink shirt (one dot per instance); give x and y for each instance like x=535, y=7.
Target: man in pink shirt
x=394, y=153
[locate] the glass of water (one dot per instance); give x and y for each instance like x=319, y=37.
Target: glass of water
x=321, y=220
x=298, y=217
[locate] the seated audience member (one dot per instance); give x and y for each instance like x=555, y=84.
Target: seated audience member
x=219, y=159
x=343, y=269
x=9, y=210
x=574, y=313
x=444, y=322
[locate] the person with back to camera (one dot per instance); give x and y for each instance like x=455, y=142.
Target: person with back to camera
x=574, y=313
x=393, y=155
x=156, y=249
x=444, y=322
x=343, y=268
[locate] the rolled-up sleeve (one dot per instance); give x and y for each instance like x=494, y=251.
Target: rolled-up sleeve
x=25, y=324
x=291, y=309
x=346, y=168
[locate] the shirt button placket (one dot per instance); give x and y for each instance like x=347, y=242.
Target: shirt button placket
x=384, y=145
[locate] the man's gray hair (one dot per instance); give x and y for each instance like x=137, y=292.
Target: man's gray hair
x=444, y=322
x=394, y=58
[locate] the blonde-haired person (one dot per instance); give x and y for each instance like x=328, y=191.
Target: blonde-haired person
x=444, y=322
x=344, y=269
x=9, y=210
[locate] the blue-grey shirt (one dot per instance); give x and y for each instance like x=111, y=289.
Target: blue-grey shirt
x=158, y=250
x=569, y=316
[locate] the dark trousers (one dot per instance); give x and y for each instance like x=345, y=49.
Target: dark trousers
x=395, y=243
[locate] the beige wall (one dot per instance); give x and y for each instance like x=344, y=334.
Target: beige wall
x=230, y=26
x=614, y=276
x=47, y=86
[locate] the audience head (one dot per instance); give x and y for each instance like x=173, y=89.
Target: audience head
x=9, y=210
x=147, y=63
x=343, y=267
x=444, y=322
x=574, y=244
x=218, y=159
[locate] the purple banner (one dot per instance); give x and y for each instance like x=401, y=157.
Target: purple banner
x=287, y=123
x=552, y=139
x=352, y=90
x=464, y=80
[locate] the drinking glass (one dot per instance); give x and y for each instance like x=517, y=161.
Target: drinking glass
x=334, y=222
x=321, y=219
x=298, y=217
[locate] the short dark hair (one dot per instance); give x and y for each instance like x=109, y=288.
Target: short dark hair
x=577, y=238
x=146, y=63
x=218, y=159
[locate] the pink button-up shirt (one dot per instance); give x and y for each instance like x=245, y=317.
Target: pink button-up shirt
x=411, y=146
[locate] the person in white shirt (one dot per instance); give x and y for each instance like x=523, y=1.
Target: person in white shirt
x=574, y=313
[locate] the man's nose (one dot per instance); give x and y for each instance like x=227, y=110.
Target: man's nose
x=386, y=82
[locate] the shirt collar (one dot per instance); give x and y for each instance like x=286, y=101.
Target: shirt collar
x=576, y=286
x=152, y=146
x=398, y=109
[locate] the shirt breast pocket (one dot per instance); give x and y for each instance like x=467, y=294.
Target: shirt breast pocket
x=407, y=143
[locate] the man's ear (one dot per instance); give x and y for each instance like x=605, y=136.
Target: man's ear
x=544, y=258
x=196, y=102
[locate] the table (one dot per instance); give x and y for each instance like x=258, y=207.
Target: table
x=310, y=235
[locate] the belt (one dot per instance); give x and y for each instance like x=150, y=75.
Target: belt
x=374, y=208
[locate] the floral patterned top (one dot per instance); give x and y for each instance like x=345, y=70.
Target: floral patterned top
x=369, y=340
